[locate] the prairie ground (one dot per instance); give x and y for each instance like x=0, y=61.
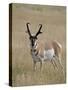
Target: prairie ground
x=53, y=19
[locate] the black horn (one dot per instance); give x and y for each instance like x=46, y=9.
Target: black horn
x=39, y=31
x=28, y=29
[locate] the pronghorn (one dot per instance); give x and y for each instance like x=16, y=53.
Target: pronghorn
x=41, y=51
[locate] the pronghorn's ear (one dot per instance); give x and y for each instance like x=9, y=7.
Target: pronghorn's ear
x=39, y=31
x=28, y=30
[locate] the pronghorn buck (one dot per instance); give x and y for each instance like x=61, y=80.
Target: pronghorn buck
x=42, y=51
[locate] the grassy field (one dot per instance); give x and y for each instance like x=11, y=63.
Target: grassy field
x=53, y=20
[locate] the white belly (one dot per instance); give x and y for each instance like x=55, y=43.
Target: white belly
x=48, y=54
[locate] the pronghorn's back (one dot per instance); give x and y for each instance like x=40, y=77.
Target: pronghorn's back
x=43, y=45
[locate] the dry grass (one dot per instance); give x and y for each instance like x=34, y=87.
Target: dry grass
x=54, y=21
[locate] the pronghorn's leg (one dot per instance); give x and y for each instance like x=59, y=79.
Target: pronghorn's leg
x=40, y=65
x=53, y=63
x=34, y=65
x=60, y=63
x=58, y=58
